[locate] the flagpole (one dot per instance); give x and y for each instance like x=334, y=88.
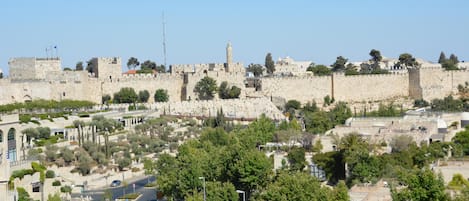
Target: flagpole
x=56, y=51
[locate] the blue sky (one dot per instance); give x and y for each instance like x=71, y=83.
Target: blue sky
x=197, y=31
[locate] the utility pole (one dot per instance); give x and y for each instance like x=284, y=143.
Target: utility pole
x=164, y=40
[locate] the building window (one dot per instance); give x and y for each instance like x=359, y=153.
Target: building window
x=36, y=187
x=11, y=134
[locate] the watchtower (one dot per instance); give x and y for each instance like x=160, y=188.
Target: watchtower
x=107, y=67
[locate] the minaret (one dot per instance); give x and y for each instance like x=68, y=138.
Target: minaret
x=229, y=55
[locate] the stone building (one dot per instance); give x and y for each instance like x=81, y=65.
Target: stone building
x=288, y=66
x=107, y=67
x=33, y=68
x=11, y=150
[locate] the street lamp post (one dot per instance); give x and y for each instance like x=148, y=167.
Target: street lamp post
x=205, y=196
x=244, y=194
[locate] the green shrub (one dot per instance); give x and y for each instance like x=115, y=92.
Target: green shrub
x=141, y=107
x=56, y=183
x=66, y=189
x=135, y=169
x=43, y=116
x=22, y=194
x=24, y=118
x=152, y=184
x=50, y=174
x=35, y=122
x=130, y=196
x=38, y=167
x=21, y=173
x=83, y=114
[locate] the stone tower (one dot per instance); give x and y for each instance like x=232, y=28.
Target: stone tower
x=229, y=55
x=108, y=68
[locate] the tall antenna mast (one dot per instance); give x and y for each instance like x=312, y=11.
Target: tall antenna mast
x=164, y=40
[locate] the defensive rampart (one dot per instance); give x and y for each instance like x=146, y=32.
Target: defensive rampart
x=370, y=87
x=303, y=89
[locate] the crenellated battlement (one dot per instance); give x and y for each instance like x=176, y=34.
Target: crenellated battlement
x=37, y=78
x=161, y=77
x=373, y=75
x=309, y=78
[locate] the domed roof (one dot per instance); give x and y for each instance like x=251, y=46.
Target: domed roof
x=441, y=123
x=465, y=116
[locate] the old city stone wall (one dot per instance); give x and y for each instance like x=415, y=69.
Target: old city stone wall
x=33, y=68
x=171, y=83
x=370, y=87
x=233, y=108
x=303, y=89
x=435, y=83
x=107, y=68
x=233, y=79
x=427, y=83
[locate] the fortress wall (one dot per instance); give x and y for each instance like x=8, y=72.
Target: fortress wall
x=108, y=67
x=415, y=90
x=75, y=90
x=11, y=92
x=233, y=79
x=438, y=83
x=233, y=108
x=370, y=87
x=33, y=68
x=44, y=66
x=464, y=65
x=303, y=89
x=67, y=76
x=179, y=68
x=22, y=68
x=171, y=83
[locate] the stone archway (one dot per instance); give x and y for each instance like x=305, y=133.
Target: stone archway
x=27, y=98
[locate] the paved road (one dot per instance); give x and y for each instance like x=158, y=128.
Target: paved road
x=147, y=193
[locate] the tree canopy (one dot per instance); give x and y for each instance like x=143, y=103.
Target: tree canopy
x=269, y=63
x=143, y=96
x=420, y=185
x=301, y=187
x=206, y=88
x=125, y=95
x=407, y=60
x=442, y=58
x=376, y=55
x=319, y=70
x=161, y=95
x=339, y=64
x=256, y=69
x=225, y=92
x=79, y=66
x=132, y=63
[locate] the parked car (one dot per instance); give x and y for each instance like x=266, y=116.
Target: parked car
x=116, y=183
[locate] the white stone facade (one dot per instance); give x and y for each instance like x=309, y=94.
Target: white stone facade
x=288, y=66
x=33, y=68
